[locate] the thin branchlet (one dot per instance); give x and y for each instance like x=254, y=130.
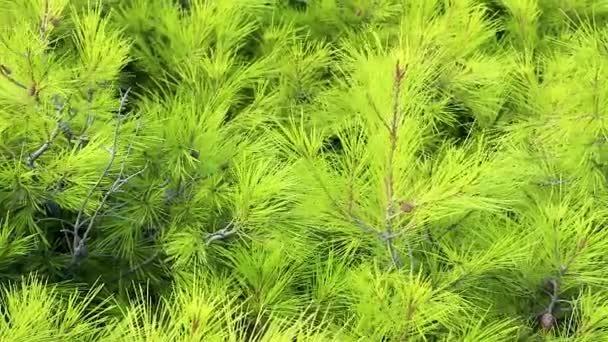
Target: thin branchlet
x=393, y=130
x=44, y=21
x=552, y=288
x=79, y=243
x=133, y=269
x=6, y=72
x=547, y=317
x=351, y=189
x=224, y=233
x=118, y=183
x=60, y=126
x=348, y=213
x=114, y=188
x=377, y=112
x=455, y=225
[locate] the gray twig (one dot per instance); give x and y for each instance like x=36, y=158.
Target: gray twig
x=552, y=182
x=547, y=317
x=78, y=242
x=224, y=233
x=552, y=288
x=114, y=188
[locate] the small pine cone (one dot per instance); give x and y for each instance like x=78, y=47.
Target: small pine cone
x=547, y=320
x=407, y=207
x=55, y=21
x=32, y=90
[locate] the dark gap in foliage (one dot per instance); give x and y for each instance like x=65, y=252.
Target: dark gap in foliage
x=251, y=50
x=59, y=41
x=500, y=35
x=299, y=5
x=441, y=8
x=539, y=71
x=332, y=144
x=135, y=78
x=184, y=5
x=502, y=111
x=247, y=97
x=496, y=10
x=465, y=122
x=140, y=80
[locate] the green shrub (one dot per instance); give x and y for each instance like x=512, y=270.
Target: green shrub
x=303, y=170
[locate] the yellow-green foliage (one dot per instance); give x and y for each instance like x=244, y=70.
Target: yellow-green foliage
x=303, y=170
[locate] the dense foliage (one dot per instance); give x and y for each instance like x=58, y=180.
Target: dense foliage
x=303, y=170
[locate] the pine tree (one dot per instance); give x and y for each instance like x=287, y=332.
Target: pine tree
x=310, y=170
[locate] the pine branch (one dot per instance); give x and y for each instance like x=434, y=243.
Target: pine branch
x=349, y=213
x=389, y=181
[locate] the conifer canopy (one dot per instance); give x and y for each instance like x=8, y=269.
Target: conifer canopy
x=303, y=170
